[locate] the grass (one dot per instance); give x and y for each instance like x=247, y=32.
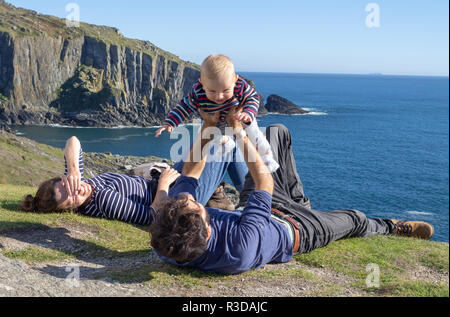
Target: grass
x=3, y=98
x=395, y=257
x=165, y=276
x=27, y=162
x=37, y=255
x=106, y=239
x=421, y=289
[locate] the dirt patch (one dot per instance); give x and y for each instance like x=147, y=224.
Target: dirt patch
x=424, y=273
x=80, y=230
x=56, y=238
x=17, y=279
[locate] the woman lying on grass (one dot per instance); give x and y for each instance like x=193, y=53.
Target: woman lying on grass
x=110, y=195
x=132, y=199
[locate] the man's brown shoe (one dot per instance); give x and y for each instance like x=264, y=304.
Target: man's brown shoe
x=220, y=199
x=416, y=229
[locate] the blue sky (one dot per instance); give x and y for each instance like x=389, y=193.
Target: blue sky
x=324, y=36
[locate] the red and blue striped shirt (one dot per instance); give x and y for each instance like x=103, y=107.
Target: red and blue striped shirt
x=244, y=95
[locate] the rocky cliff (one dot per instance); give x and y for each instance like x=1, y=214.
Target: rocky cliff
x=88, y=75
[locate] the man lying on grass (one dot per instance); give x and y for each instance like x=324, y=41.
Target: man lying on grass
x=274, y=221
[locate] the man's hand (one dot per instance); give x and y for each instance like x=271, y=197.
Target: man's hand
x=211, y=119
x=162, y=129
x=195, y=162
x=258, y=170
x=233, y=118
x=243, y=117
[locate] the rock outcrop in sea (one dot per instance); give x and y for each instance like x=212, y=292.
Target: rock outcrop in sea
x=277, y=104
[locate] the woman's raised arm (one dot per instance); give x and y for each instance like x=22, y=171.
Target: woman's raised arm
x=73, y=177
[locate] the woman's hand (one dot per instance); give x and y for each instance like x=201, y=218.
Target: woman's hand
x=168, y=176
x=71, y=183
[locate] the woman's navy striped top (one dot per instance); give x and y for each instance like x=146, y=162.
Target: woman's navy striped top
x=121, y=197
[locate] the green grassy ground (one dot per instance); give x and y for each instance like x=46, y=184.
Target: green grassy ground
x=27, y=162
x=401, y=261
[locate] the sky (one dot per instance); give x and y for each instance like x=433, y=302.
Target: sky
x=401, y=37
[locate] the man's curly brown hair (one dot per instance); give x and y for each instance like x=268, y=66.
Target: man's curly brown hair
x=179, y=233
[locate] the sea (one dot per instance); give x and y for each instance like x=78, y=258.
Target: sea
x=376, y=143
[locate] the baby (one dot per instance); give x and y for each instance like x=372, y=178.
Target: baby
x=218, y=90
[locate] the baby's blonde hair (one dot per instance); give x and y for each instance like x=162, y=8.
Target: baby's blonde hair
x=216, y=65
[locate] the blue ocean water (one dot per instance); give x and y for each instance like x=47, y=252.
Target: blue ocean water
x=379, y=144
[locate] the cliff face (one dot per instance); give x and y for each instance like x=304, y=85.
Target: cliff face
x=87, y=76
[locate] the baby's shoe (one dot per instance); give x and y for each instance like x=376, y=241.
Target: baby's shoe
x=223, y=146
x=228, y=144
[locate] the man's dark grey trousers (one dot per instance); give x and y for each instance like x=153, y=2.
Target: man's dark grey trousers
x=318, y=228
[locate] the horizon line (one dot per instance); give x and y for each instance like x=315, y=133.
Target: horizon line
x=374, y=74
x=355, y=74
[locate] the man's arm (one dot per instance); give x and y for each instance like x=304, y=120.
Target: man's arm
x=195, y=164
x=258, y=169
